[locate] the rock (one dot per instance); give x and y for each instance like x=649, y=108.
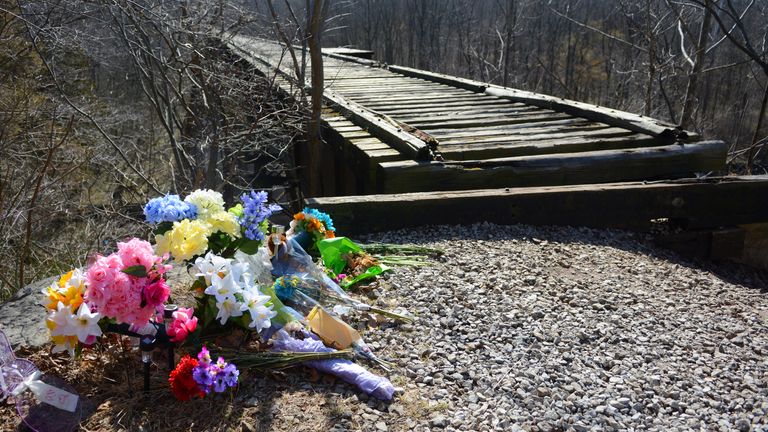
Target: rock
x=743, y=425
x=22, y=318
x=438, y=422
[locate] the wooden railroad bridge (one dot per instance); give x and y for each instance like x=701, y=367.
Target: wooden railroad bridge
x=406, y=143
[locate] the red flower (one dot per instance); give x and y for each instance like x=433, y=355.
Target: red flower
x=182, y=384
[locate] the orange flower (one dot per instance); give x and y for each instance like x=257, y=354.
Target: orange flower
x=299, y=216
x=314, y=225
x=330, y=234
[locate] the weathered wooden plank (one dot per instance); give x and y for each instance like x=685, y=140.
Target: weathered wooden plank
x=438, y=109
x=448, y=136
x=384, y=155
x=457, y=102
x=470, y=85
x=456, y=122
x=705, y=203
x=356, y=134
x=376, y=87
x=517, y=128
x=669, y=161
x=614, y=117
x=404, y=142
x=480, y=137
x=409, y=101
x=491, y=150
x=438, y=94
x=512, y=112
x=437, y=113
x=375, y=82
x=385, y=94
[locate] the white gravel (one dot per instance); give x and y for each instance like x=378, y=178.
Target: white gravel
x=541, y=329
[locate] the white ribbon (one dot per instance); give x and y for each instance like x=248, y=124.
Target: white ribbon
x=46, y=393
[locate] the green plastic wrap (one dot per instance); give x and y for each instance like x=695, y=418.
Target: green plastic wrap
x=333, y=250
x=372, y=272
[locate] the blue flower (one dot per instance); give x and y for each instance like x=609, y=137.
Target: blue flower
x=322, y=217
x=169, y=208
x=285, y=287
x=255, y=211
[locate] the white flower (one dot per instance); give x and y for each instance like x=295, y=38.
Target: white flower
x=65, y=346
x=77, y=279
x=240, y=273
x=210, y=265
x=259, y=265
x=228, y=307
x=62, y=318
x=85, y=323
x=208, y=202
x=255, y=304
x=223, y=288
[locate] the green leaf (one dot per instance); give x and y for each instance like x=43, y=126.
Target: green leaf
x=250, y=247
x=137, y=270
x=199, y=283
x=218, y=242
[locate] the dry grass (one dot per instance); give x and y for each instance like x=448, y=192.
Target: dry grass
x=110, y=382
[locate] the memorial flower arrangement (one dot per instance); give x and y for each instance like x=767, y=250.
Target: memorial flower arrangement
x=125, y=287
x=200, y=223
x=310, y=226
x=261, y=300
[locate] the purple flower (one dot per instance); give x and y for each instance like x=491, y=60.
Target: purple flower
x=230, y=375
x=255, y=211
x=204, y=378
x=215, y=377
x=204, y=356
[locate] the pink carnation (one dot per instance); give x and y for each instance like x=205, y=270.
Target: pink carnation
x=117, y=295
x=100, y=277
x=138, y=252
x=184, y=322
x=156, y=293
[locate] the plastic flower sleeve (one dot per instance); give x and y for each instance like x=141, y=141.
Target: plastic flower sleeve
x=44, y=402
x=291, y=259
x=370, y=383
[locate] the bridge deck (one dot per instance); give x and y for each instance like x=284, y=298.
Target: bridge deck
x=486, y=136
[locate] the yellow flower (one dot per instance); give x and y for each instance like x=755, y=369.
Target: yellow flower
x=225, y=222
x=68, y=290
x=62, y=342
x=185, y=240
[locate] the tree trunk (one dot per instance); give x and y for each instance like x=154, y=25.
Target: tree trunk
x=698, y=62
x=314, y=140
x=758, y=126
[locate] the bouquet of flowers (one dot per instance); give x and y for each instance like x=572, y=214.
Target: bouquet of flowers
x=126, y=287
x=310, y=226
x=229, y=290
x=226, y=251
x=196, y=378
x=200, y=223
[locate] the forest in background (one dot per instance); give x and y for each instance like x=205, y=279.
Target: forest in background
x=634, y=55
x=104, y=104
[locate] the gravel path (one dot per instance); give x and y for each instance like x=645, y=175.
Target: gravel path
x=522, y=328
x=526, y=328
